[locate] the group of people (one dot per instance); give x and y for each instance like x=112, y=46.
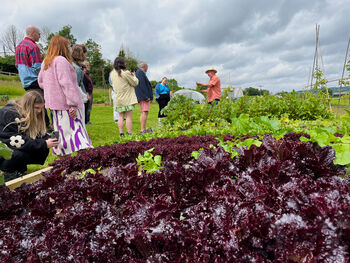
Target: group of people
x=57, y=84
x=131, y=88
x=61, y=83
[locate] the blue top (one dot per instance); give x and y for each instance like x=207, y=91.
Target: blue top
x=144, y=89
x=80, y=77
x=161, y=89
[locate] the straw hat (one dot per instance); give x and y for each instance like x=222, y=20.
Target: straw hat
x=211, y=69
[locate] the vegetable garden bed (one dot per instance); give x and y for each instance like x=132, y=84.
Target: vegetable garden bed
x=284, y=201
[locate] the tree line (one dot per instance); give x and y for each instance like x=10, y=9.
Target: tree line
x=99, y=67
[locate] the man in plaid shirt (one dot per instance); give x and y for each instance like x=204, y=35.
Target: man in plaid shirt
x=28, y=58
x=28, y=63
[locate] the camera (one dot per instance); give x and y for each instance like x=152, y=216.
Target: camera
x=55, y=134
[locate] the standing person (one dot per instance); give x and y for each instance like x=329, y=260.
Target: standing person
x=89, y=89
x=144, y=94
x=115, y=113
x=63, y=97
x=22, y=128
x=78, y=56
x=123, y=82
x=213, y=87
x=162, y=94
x=28, y=62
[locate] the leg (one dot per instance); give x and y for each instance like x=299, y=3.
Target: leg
x=129, y=121
x=121, y=122
x=143, y=120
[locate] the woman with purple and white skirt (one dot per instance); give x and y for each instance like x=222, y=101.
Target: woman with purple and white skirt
x=63, y=97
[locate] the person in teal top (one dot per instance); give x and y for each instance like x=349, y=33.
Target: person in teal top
x=162, y=94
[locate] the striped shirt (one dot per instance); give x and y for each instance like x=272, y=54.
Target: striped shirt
x=28, y=61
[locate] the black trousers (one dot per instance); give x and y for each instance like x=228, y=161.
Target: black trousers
x=163, y=100
x=35, y=86
x=21, y=159
x=88, y=107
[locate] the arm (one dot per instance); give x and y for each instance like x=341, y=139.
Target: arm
x=156, y=91
x=17, y=140
x=132, y=80
x=36, y=59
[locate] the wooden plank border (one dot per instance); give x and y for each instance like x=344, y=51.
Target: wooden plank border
x=28, y=178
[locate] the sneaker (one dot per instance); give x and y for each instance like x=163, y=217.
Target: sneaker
x=89, y=123
x=149, y=130
x=121, y=134
x=143, y=132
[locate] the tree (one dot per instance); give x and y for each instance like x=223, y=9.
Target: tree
x=64, y=32
x=97, y=64
x=130, y=60
x=173, y=86
x=255, y=92
x=11, y=38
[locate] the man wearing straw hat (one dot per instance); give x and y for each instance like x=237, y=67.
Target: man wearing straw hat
x=213, y=87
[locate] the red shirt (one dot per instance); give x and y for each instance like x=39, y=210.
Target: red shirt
x=215, y=91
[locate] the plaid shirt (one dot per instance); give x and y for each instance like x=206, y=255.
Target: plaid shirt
x=27, y=53
x=28, y=61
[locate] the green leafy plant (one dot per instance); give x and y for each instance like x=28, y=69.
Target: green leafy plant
x=90, y=170
x=6, y=153
x=232, y=146
x=149, y=163
x=195, y=154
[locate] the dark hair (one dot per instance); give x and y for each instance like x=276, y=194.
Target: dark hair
x=119, y=65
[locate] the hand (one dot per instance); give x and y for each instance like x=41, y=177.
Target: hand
x=198, y=83
x=133, y=73
x=89, y=96
x=52, y=142
x=72, y=113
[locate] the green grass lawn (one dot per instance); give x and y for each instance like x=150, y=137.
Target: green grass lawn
x=103, y=129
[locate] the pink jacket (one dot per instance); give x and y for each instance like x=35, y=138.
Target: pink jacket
x=59, y=82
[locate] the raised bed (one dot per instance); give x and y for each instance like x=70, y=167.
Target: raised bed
x=284, y=201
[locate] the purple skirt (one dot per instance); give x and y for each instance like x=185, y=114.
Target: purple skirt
x=73, y=134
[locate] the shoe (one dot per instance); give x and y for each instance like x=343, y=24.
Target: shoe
x=8, y=176
x=129, y=133
x=89, y=123
x=121, y=134
x=149, y=131
x=143, y=132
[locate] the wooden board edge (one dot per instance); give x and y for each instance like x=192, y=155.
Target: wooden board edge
x=28, y=178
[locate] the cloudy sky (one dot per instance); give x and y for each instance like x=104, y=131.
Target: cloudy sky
x=267, y=44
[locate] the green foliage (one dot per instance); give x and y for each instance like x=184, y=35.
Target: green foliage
x=2, y=180
x=148, y=162
x=98, y=74
x=255, y=92
x=64, y=32
x=232, y=146
x=5, y=151
x=90, y=171
x=7, y=64
x=183, y=112
x=153, y=83
x=173, y=85
x=130, y=60
x=195, y=154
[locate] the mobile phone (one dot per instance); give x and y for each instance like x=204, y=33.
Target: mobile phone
x=55, y=134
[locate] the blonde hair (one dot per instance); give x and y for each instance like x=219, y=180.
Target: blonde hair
x=32, y=124
x=59, y=46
